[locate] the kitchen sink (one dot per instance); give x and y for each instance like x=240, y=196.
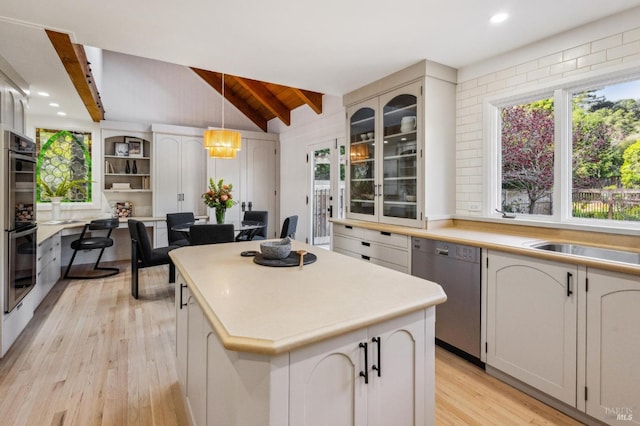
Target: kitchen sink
x=622, y=256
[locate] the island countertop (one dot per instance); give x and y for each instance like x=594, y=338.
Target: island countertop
x=270, y=310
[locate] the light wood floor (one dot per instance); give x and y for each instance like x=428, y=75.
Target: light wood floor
x=93, y=355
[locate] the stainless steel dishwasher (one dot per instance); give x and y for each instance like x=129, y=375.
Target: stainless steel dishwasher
x=457, y=269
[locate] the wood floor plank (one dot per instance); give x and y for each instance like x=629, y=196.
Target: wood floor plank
x=93, y=355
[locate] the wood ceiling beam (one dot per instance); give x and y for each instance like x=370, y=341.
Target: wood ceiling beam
x=74, y=59
x=214, y=80
x=265, y=97
x=313, y=99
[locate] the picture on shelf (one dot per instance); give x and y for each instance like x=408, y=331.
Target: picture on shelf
x=135, y=146
x=122, y=149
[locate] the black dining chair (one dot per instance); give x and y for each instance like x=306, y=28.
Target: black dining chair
x=255, y=234
x=211, y=234
x=177, y=238
x=289, y=227
x=89, y=241
x=144, y=256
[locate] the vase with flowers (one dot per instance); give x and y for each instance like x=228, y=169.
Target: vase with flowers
x=219, y=197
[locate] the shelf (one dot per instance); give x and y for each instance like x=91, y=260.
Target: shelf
x=395, y=110
x=361, y=142
x=357, y=200
x=402, y=203
x=362, y=121
x=366, y=160
x=126, y=190
x=401, y=157
x=401, y=178
x=362, y=180
x=121, y=157
x=127, y=174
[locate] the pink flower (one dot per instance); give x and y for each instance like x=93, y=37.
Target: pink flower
x=223, y=198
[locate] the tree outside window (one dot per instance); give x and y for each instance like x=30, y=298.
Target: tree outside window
x=527, y=136
x=64, y=156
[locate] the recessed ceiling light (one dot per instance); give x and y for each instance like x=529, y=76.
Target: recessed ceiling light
x=45, y=94
x=53, y=104
x=499, y=17
x=61, y=113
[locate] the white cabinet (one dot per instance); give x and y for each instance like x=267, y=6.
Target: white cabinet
x=179, y=178
x=378, y=247
x=319, y=384
x=368, y=377
x=532, y=322
x=47, y=267
x=12, y=106
x=254, y=175
x=613, y=347
x=401, y=137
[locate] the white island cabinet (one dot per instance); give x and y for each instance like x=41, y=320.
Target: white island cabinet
x=336, y=342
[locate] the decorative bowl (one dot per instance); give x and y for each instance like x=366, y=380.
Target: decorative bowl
x=276, y=249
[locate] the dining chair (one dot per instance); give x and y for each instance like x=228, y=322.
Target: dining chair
x=211, y=234
x=289, y=227
x=144, y=256
x=90, y=241
x=177, y=238
x=259, y=234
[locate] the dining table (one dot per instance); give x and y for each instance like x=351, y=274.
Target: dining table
x=246, y=227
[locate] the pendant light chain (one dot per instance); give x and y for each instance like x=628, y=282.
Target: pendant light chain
x=223, y=101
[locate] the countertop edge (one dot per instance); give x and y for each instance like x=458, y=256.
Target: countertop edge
x=270, y=347
x=487, y=240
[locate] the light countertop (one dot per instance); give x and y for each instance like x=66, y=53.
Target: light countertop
x=271, y=310
x=517, y=239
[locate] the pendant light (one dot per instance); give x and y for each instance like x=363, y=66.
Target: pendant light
x=222, y=143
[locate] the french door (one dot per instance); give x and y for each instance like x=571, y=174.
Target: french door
x=327, y=183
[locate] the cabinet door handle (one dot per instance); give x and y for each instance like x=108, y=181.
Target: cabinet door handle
x=243, y=206
x=365, y=373
x=378, y=366
x=569, y=284
x=365, y=244
x=181, y=302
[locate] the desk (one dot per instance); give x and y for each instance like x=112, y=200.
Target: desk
x=247, y=227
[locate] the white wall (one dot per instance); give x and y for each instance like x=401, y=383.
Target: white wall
x=308, y=128
x=606, y=44
x=142, y=90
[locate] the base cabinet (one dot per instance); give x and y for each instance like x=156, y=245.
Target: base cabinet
x=557, y=327
x=47, y=266
x=613, y=347
x=531, y=322
x=351, y=379
x=378, y=247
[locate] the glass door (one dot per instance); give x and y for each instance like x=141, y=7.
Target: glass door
x=362, y=190
x=327, y=189
x=400, y=155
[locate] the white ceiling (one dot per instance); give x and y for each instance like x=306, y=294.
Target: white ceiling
x=333, y=46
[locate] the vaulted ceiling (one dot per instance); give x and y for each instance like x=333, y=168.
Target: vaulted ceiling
x=259, y=101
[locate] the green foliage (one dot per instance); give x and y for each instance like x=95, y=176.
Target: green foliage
x=630, y=170
x=63, y=188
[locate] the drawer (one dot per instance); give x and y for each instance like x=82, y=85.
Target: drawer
x=373, y=250
x=395, y=267
x=348, y=230
x=387, y=238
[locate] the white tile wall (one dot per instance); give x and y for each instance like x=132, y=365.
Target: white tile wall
x=604, y=52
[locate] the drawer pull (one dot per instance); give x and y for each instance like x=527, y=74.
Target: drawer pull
x=348, y=227
x=365, y=244
x=388, y=234
x=365, y=257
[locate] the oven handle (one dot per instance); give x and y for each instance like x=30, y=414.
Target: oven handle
x=30, y=230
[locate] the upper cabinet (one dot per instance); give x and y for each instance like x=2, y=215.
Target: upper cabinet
x=401, y=135
x=12, y=107
x=384, y=164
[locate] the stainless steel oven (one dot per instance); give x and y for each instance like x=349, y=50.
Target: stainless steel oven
x=19, y=218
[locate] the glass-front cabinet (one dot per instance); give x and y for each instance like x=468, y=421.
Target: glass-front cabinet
x=385, y=170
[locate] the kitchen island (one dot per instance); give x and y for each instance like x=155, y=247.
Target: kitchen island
x=336, y=342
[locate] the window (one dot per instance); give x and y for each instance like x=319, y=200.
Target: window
x=64, y=156
x=606, y=152
x=589, y=166
x=527, y=147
